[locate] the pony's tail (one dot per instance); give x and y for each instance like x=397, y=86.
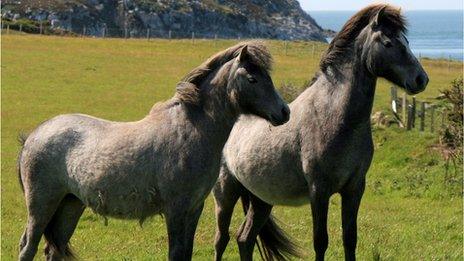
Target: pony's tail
x=274, y=243
x=65, y=252
x=21, y=139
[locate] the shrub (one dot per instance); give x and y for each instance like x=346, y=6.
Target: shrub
x=451, y=134
x=33, y=27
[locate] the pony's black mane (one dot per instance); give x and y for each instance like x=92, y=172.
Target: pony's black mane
x=340, y=47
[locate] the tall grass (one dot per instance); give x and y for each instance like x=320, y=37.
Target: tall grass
x=408, y=213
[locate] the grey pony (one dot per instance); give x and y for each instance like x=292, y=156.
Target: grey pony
x=165, y=163
x=325, y=148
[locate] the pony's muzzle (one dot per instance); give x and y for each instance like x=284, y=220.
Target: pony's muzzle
x=282, y=117
x=419, y=84
x=421, y=81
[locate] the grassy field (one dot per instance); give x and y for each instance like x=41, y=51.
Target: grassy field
x=409, y=211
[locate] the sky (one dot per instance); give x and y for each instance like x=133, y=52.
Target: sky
x=313, y=5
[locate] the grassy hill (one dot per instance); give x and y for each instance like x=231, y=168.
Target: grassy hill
x=409, y=211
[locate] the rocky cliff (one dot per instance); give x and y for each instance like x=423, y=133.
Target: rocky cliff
x=277, y=19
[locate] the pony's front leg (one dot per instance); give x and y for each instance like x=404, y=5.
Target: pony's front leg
x=175, y=221
x=319, y=209
x=191, y=227
x=350, y=205
x=182, y=225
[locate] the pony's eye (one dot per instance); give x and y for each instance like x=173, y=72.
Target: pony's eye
x=252, y=80
x=388, y=43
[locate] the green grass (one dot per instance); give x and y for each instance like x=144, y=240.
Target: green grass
x=409, y=211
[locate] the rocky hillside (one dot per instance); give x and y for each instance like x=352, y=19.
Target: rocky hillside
x=277, y=19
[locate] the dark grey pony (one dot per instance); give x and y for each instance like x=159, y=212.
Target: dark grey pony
x=325, y=148
x=165, y=163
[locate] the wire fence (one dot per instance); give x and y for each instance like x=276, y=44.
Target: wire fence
x=314, y=49
x=414, y=114
x=44, y=27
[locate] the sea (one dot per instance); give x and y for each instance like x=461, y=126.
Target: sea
x=433, y=34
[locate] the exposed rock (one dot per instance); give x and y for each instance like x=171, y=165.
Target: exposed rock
x=277, y=19
x=329, y=33
x=381, y=119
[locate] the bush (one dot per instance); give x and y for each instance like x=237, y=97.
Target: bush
x=451, y=134
x=33, y=27
x=27, y=26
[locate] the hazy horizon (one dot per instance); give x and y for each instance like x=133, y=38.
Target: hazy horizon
x=355, y=10
x=408, y=5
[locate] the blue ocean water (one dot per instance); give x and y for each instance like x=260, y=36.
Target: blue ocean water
x=435, y=34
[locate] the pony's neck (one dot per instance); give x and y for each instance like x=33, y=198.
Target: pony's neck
x=217, y=105
x=354, y=87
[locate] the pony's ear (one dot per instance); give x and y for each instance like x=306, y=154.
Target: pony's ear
x=378, y=17
x=243, y=56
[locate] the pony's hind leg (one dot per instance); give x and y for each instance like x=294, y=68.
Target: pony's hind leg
x=256, y=217
x=60, y=229
x=226, y=193
x=41, y=207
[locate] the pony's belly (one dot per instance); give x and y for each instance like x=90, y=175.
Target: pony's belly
x=124, y=202
x=283, y=199
x=135, y=210
x=277, y=191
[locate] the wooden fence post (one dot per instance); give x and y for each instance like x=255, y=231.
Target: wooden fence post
x=148, y=33
x=7, y=29
x=404, y=107
x=413, y=111
x=83, y=31
x=394, y=98
x=422, y=117
x=40, y=27
x=193, y=37
x=169, y=34
x=103, y=31
x=410, y=116
x=125, y=31
x=432, y=118
x=20, y=27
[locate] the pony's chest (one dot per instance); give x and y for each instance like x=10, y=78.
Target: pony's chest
x=344, y=160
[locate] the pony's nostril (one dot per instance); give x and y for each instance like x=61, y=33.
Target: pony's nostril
x=285, y=112
x=421, y=80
